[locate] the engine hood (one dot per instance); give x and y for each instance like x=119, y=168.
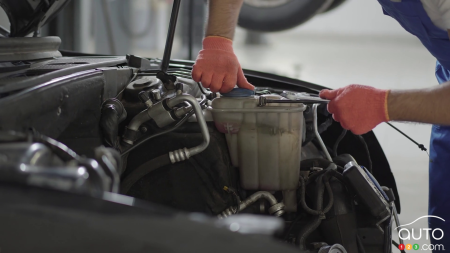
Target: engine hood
x=27, y=16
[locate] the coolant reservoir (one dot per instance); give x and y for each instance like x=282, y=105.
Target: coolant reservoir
x=264, y=141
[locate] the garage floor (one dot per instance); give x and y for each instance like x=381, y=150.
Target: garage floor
x=382, y=62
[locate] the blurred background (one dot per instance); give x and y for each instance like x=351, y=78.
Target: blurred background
x=351, y=44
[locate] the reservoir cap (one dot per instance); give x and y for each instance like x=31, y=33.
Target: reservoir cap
x=238, y=93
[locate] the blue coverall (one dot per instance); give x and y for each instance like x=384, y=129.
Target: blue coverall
x=412, y=17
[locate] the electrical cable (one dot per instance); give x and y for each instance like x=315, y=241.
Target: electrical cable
x=124, y=88
x=338, y=140
x=366, y=149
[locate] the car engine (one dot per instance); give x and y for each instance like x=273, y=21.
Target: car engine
x=225, y=154
x=167, y=140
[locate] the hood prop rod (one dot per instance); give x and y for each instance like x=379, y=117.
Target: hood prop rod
x=170, y=36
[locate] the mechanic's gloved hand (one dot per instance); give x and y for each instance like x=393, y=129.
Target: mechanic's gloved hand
x=217, y=67
x=358, y=108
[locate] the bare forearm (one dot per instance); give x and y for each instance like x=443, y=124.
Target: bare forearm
x=431, y=105
x=222, y=18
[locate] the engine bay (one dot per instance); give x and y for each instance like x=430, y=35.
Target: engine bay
x=272, y=152
x=264, y=156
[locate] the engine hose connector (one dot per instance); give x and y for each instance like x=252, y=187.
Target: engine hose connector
x=185, y=153
x=179, y=155
x=276, y=208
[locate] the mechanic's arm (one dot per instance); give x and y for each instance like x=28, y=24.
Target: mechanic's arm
x=217, y=67
x=222, y=17
x=360, y=108
x=431, y=105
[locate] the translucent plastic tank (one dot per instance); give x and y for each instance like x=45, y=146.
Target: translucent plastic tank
x=264, y=141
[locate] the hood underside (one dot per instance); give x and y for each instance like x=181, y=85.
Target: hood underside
x=27, y=16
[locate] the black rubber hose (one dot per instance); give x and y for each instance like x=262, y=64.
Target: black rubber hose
x=330, y=195
x=143, y=170
x=109, y=124
x=319, y=211
x=344, y=159
x=324, y=176
x=338, y=140
x=319, y=198
x=307, y=230
x=305, y=207
x=314, y=176
x=112, y=114
x=338, y=176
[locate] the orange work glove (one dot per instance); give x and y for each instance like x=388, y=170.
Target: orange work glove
x=358, y=108
x=217, y=67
